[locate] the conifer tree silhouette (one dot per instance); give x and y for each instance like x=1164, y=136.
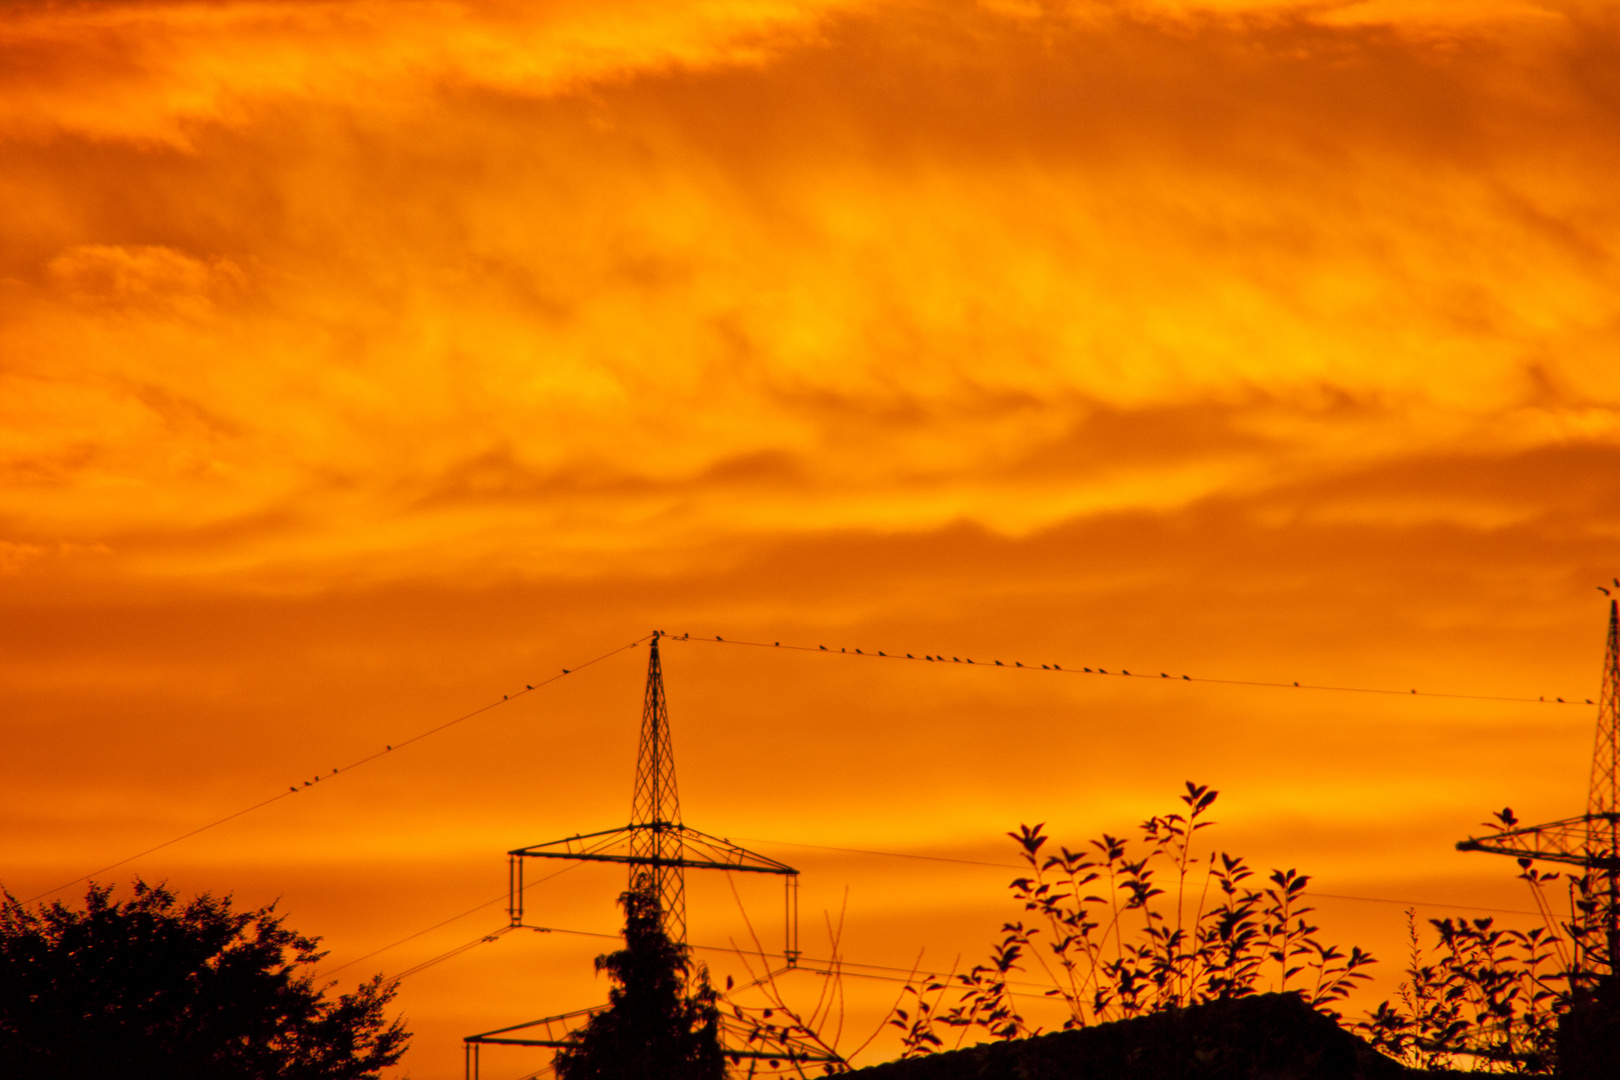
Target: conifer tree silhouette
x=656, y=1026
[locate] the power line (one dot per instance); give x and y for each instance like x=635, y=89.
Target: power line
x=368, y=759
x=717, y=639
x=457, y=951
x=1059, y=669
x=483, y=938
x=884, y=854
x=446, y=922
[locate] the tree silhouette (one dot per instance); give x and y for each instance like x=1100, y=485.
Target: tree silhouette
x=655, y=1026
x=149, y=988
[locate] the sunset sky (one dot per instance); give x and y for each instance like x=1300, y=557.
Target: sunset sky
x=363, y=362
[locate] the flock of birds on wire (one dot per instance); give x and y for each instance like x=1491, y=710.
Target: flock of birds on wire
x=942, y=659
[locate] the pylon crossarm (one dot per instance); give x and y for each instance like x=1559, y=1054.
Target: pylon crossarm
x=768, y=1045
x=655, y=860
x=490, y=1040
x=712, y=853
x=1573, y=841
x=568, y=1022
x=575, y=845
x=729, y=856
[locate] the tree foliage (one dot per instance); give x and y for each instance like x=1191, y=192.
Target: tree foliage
x=150, y=987
x=1119, y=930
x=656, y=1025
x=1497, y=997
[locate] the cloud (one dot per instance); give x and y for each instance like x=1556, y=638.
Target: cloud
x=360, y=363
x=151, y=71
x=908, y=266
x=107, y=276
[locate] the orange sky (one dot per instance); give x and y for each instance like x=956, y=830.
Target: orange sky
x=362, y=362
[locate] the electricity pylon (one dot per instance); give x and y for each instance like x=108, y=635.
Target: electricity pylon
x=1590, y=841
x=655, y=810
x=658, y=849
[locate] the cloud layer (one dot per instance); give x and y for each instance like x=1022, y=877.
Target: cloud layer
x=357, y=358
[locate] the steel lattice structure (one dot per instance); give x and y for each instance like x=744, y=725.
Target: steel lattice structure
x=1603, y=791
x=656, y=846
x=655, y=809
x=658, y=849
x=1592, y=840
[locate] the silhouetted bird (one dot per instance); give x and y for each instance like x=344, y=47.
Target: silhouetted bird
x=293, y=790
x=1617, y=582
x=717, y=637
x=1187, y=677
x=529, y=687
x=1602, y=590
x=390, y=747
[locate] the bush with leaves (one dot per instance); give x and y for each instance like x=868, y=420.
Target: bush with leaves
x=662, y=1018
x=1484, y=991
x=149, y=987
x=1120, y=930
x=1494, y=996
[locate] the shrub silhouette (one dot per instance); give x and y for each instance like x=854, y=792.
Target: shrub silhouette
x=1132, y=930
x=1503, y=997
x=147, y=987
x=656, y=1027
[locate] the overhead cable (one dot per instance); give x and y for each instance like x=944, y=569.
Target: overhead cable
x=1118, y=672
x=388, y=749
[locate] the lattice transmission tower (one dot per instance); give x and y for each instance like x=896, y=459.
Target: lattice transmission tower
x=658, y=849
x=655, y=809
x=1590, y=841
